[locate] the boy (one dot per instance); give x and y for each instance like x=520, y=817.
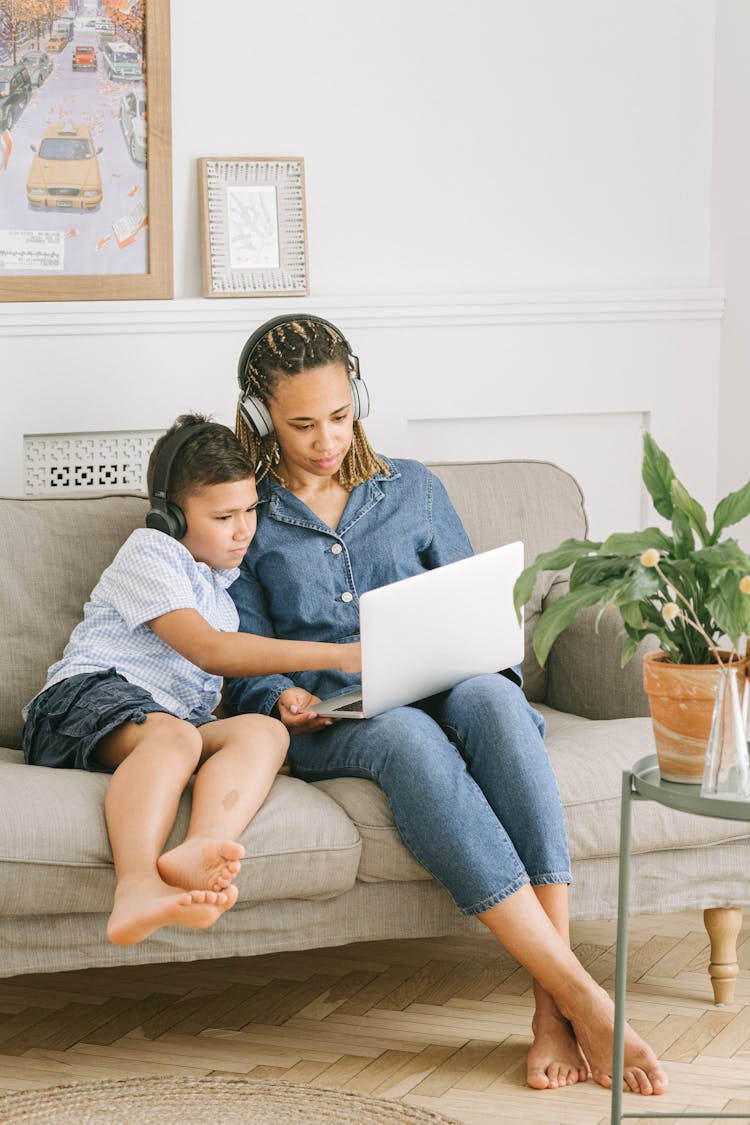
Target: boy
x=135, y=691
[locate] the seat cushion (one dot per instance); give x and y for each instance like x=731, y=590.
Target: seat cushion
x=589, y=756
x=385, y=857
x=55, y=855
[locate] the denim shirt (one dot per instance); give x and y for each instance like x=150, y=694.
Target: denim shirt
x=302, y=580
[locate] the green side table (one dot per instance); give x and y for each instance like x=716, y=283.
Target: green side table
x=643, y=783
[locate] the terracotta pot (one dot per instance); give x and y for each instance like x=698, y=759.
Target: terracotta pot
x=682, y=702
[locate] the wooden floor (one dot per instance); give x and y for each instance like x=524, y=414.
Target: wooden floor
x=442, y=1024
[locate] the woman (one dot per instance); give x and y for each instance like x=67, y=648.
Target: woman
x=465, y=773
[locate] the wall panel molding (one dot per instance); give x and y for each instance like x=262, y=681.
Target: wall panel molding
x=364, y=311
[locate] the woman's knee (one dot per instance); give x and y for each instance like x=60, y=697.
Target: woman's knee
x=410, y=744
x=495, y=697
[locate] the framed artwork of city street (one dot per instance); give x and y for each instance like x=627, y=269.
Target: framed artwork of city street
x=253, y=231
x=85, y=150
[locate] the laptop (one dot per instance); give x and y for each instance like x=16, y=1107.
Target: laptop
x=427, y=633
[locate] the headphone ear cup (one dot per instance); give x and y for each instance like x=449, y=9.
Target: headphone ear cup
x=360, y=398
x=169, y=519
x=256, y=416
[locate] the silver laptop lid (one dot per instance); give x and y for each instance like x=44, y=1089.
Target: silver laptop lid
x=427, y=633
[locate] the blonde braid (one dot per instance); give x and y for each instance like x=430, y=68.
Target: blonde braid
x=285, y=351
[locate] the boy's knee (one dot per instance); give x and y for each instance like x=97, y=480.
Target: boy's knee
x=173, y=735
x=255, y=730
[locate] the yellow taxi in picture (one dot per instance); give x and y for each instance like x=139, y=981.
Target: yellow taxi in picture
x=57, y=43
x=65, y=170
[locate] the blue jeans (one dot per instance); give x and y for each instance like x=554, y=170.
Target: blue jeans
x=469, y=784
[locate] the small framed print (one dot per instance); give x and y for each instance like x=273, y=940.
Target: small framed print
x=253, y=227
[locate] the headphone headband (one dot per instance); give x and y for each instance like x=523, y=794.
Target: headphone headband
x=275, y=322
x=164, y=515
x=254, y=411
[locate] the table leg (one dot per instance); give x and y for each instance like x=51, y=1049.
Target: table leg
x=621, y=955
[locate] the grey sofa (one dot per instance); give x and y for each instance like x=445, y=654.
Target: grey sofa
x=325, y=865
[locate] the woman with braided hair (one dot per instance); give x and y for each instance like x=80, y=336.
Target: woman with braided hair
x=465, y=772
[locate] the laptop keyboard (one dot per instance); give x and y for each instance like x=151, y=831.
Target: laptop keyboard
x=355, y=706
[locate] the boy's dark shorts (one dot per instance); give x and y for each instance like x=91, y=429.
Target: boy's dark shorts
x=67, y=721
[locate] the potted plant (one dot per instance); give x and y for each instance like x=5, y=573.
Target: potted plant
x=689, y=589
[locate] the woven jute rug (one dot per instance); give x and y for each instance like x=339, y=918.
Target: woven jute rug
x=193, y=1101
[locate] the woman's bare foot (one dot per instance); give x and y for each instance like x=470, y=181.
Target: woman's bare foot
x=554, y=1059
x=199, y=862
x=592, y=1017
x=141, y=908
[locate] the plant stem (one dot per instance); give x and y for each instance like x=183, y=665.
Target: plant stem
x=691, y=618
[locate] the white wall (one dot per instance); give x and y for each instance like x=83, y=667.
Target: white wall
x=509, y=213
x=731, y=243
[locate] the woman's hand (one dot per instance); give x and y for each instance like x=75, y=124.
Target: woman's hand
x=293, y=706
x=351, y=658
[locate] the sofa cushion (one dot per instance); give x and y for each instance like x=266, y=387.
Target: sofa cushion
x=385, y=857
x=55, y=856
x=535, y=501
x=53, y=554
x=589, y=756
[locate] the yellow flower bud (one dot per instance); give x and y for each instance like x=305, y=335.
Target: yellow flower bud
x=650, y=557
x=670, y=611
x=745, y=584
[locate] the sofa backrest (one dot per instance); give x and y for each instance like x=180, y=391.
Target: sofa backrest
x=534, y=501
x=54, y=550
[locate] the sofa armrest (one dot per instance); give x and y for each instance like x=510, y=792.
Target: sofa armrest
x=584, y=676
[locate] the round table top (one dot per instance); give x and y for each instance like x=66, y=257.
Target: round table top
x=686, y=797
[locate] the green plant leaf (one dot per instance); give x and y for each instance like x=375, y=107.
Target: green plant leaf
x=694, y=511
x=732, y=509
x=559, y=558
x=628, y=650
x=658, y=475
x=641, y=583
x=682, y=533
x=561, y=614
x=632, y=615
x=636, y=542
x=729, y=607
x=723, y=556
x=593, y=570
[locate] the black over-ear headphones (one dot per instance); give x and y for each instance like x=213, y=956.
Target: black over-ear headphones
x=255, y=412
x=164, y=515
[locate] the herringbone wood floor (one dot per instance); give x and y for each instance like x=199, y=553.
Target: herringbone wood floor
x=442, y=1024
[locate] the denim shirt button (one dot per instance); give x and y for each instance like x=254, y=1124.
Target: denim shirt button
x=336, y=549
x=346, y=596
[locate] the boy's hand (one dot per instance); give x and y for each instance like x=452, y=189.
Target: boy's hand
x=351, y=658
x=293, y=707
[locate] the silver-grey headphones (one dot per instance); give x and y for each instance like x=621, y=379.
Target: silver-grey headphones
x=255, y=412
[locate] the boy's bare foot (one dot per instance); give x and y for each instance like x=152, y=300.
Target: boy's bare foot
x=198, y=862
x=555, y=1058
x=593, y=1022
x=141, y=908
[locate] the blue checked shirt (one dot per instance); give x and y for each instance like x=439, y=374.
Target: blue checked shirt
x=151, y=574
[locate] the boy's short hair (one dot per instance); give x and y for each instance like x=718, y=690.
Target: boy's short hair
x=213, y=456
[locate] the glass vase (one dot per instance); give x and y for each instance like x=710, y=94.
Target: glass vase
x=727, y=770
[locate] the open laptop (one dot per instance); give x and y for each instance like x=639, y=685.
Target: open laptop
x=427, y=633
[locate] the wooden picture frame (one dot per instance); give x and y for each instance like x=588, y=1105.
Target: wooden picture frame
x=253, y=226
x=138, y=181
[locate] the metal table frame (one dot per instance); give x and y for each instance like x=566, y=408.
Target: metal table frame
x=643, y=783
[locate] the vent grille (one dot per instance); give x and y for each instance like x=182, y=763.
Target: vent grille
x=93, y=462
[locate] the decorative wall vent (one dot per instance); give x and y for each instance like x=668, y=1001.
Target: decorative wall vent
x=93, y=462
